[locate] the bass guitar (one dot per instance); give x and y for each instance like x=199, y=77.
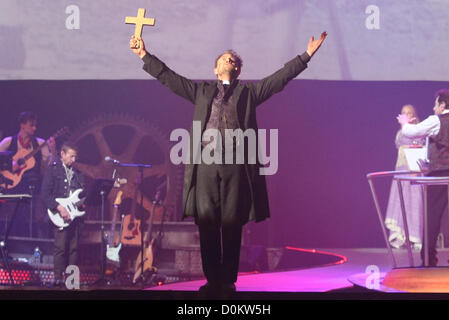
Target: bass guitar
x=25, y=161
x=72, y=204
x=113, y=250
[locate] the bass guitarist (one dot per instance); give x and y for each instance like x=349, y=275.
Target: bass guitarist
x=60, y=179
x=25, y=140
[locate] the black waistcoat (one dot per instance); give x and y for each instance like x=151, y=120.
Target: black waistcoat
x=439, y=146
x=223, y=115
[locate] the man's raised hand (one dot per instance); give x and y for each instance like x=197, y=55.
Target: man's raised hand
x=137, y=46
x=314, y=45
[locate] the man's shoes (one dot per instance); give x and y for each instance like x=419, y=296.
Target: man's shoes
x=227, y=289
x=210, y=289
x=433, y=262
x=214, y=290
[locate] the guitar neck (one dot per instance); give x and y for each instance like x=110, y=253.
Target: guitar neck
x=121, y=226
x=150, y=224
x=56, y=135
x=34, y=151
x=114, y=221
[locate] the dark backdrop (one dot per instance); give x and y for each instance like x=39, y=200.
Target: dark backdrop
x=331, y=134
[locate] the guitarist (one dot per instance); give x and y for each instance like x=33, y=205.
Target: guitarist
x=25, y=140
x=59, y=180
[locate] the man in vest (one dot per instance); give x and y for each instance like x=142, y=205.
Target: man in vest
x=29, y=184
x=60, y=180
x=223, y=197
x=436, y=128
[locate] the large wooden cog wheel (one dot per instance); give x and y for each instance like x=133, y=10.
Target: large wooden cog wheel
x=129, y=140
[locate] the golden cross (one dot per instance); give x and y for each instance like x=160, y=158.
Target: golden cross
x=139, y=21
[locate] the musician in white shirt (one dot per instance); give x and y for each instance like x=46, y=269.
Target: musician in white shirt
x=426, y=128
x=436, y=129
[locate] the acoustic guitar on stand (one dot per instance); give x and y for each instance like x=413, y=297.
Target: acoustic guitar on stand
x=131, y=234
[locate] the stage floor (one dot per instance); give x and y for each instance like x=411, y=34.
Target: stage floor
x=326, y=282
x=318, y=279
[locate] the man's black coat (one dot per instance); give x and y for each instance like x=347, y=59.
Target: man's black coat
x=247, y=96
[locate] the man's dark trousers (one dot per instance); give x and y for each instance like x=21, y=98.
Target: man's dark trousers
x=66, y=248
x=223, y=205
x=437, y=200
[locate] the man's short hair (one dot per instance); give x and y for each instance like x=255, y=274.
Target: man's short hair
x=443, y=96
x=66, y=146
x=237, y=57
x=26, y=116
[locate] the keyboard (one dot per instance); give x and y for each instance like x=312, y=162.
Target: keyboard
x=15, y=196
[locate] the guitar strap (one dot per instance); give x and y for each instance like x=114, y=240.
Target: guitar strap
x=68, y=174
x=38, y=155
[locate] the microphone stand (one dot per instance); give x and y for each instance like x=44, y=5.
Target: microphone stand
x=140, y=179
x=103, y=244
x=96, y=196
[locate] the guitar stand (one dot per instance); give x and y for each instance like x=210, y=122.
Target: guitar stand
x=150, y=278
x=4, y=242
x=97, y=195
x=102, y=281
x=140, y=179
x=141, y=278
x=153, y=274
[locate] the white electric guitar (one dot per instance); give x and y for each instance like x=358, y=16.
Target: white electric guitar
x=71, y=204
x=112, y=250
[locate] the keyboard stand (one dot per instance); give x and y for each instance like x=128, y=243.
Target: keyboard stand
x=18, y=199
